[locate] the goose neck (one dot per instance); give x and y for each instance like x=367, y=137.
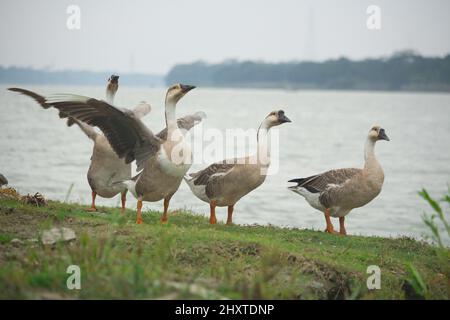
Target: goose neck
x=110, y=94
x=369, y=153
x=263, y=144
x=171, y=121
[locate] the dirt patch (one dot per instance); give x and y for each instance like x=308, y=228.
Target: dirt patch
x=329, y=282
x=21, y=223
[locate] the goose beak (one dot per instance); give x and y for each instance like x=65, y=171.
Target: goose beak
x=186, y=88
x=284, y=119
x=383, y=136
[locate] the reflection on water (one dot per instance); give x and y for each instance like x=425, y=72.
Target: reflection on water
x=39, y=153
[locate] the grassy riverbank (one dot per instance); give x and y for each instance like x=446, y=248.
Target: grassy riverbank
x=188, y=258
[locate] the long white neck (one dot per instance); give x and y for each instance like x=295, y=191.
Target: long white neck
x=179, y=152
x=263, y=144
x=110, y=94
x=369, y=153
x=171, y=119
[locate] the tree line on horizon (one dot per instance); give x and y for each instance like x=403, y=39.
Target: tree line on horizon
x=405, y=70
x=402, y=71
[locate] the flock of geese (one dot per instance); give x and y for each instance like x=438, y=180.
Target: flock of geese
x=164, y=159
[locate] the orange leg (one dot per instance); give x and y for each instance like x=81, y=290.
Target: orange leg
x=124, y=200
x=230, y=215
x=330, y=228
x=93, y=208
x=212, y=212
x=164, y=217
x=139, y=212
x=342, y=226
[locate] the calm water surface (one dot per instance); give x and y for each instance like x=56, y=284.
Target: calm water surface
x=39, y=153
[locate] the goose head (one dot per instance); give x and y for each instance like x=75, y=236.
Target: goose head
x=176, y=92
x=113, y=85
x=377, y=133
x=275, y=118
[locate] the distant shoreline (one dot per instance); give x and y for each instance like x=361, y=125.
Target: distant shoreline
x=402, y=72
x=163, y=86
x=21, y=75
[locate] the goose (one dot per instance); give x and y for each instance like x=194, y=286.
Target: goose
x=105, y=167
x=104, y=156
x=162, y=163
x=337, y=192
x=225, y=183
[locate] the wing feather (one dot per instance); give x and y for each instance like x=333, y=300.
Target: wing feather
x=185, y=123
x=319, y=182
x=202, y=177
x=126, y=133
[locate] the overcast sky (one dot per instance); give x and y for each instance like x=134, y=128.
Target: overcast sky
x=151, y=36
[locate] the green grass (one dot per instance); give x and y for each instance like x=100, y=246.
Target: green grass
x=188, y=258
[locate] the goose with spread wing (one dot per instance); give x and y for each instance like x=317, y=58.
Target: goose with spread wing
x=106, y=167
x=224, y=183
x=163, y=162
x=337, y=192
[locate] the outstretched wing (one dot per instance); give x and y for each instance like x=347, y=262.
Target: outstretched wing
x=142, y=109
x=38, y=98
x=126, y=133
x=186, y=123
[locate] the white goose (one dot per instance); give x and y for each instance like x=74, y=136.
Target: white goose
x=337, y=192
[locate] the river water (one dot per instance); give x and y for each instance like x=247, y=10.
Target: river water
x=328, y=130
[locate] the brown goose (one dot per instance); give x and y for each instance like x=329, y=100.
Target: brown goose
x=224, y=183
x=106, y=167
x=337, y=192
x=164, y=162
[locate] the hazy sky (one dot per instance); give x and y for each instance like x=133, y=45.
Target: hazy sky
x=153, y=35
